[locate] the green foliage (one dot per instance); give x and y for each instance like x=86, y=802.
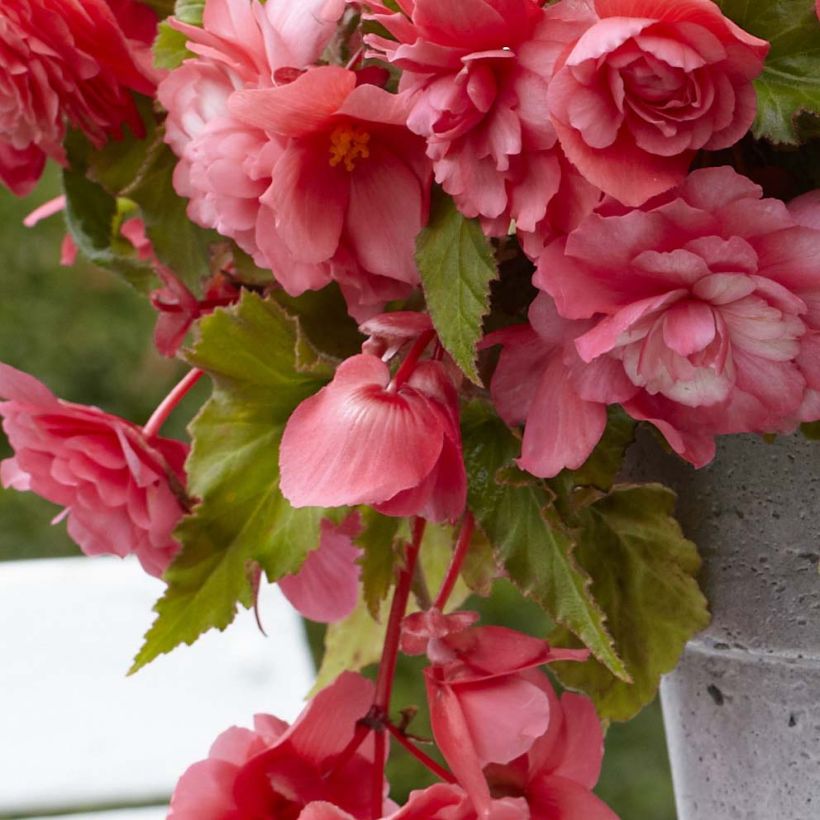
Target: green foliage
x=170, y=46
x=261, y=367
x=514, y=510
x=643, y=572
x=380, y=540
x=790, y=83
x=811, y=430
x=457, y=265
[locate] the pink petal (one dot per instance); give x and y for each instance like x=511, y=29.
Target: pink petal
x=689, y=327
x=555, y=798
x=326, y=587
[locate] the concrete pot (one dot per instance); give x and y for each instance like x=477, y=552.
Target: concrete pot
x=742, y=710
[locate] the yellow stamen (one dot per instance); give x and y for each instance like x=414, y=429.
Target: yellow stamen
x=348, y=144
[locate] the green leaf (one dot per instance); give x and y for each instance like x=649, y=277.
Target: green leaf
x=170, y=47
x=456, y=263
x=93, y=218
x=514, y=511
x=162, y=7
x=261, y=369
x=790, y=82
x=190, y=11
x=811, y=430
x=643, y=572
x=380, y=541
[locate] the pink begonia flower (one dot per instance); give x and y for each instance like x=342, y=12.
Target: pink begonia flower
x=698, y=313
x=540, y=379
x=449, y=802
x=65, y=61
x=477, y=674
x=121, y=491
x=364, y=440
x=477, y=73
x=349, y=157
x=648, y=85
x=326, y=587
x=388, y=333
x=277, y=771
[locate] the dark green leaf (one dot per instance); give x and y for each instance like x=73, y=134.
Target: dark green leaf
x=811, y=430
x=457, y=265
x=261, y=367
x=514, y=511
x=643, y=572
x=790, y=82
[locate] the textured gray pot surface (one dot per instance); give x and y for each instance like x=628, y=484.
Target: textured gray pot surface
x=742, y=710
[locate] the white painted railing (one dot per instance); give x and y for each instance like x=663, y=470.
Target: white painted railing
x=76, y=732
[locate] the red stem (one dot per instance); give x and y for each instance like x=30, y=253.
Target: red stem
x=387, y=666
x=424, y=759
x=459, y=554
x=169, y=403
x=412, y=358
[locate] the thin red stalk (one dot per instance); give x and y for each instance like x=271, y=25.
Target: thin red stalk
x=423, y=758
x=387, y=666
x=167, y=405
x=412, y=358
x=377, y=795
x=459, y=554
x=359, y=736
x=390, y=652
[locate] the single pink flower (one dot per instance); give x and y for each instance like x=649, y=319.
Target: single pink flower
x=649, y=84
x=698, y=312
x=476, y=674
x=449, y=802
x=278, y=771
x=364, y=439
x=326, y=587
x=66, y=61
x=477, y=73
x=121, y=491
x=347, y=155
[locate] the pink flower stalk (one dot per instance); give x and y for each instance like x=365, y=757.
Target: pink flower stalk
x=121, y=491
x=476, y=675
x=279, y=771
x=364, y=439
x=326, y=587
x=698, y=313
x=648, y=85
x=66, y=61
x=477, y=74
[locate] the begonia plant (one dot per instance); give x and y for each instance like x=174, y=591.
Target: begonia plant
x=438, y=259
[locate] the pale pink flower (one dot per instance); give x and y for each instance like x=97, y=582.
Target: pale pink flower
x=477, y=73
x=326, y=587
x=649, y=84
x=66, y=62
x=366, y=440
x=122, y=493
x=698, y=313
x=476, y=675
x=276, y=770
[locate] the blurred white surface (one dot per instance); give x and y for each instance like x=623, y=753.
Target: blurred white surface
x=151, y=813
x=75, y=731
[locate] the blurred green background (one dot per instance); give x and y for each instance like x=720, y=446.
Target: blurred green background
x=88, y=337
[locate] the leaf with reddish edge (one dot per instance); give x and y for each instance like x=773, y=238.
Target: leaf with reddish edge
x=262, y=367
x=643, y=572
x=789, y=86
x=513, y=509
x=457, y=264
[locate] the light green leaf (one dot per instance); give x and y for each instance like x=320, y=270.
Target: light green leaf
x=456, y=263
x=262, y=368
x=514, y=511
x=381, y=542
x=170, y=47
x=643, y=572
x=790, y=82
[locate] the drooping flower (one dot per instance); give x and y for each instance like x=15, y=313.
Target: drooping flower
x=66, y=61
x=121, y=491
x=649, y=84
x=276, y=770
x=477, y=674
x=477, y=74
x=326, y=587
x=698, y=313
x=364, y=439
